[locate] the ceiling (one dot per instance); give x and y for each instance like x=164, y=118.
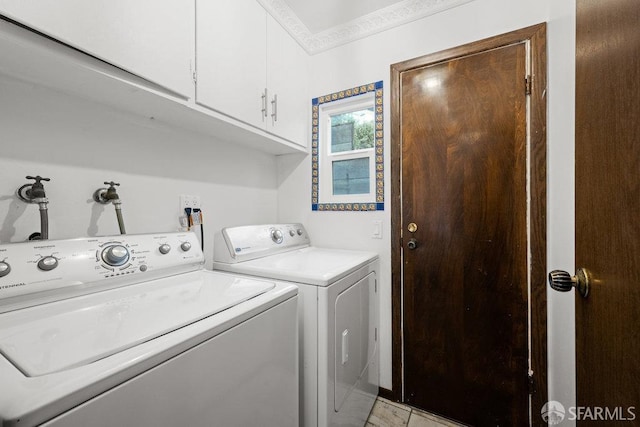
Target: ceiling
x=320, y=15
x=319, y=25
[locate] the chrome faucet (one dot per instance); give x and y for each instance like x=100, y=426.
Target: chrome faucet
x=110, y=195
x=34, y=193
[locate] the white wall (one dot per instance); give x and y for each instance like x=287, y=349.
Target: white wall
x=368, y=60
x=80, y=144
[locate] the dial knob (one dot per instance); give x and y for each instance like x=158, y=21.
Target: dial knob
x=276, y=235
x=292, y=233
x=5, y=268
x=185, y=246
x=299, y=231
x=115, y=255
x=164, y=248
x=47, y=263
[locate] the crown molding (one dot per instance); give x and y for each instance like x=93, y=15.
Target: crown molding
x=383, y=19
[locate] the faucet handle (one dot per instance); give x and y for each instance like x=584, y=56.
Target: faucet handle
x=38, y=178
x=111, y=183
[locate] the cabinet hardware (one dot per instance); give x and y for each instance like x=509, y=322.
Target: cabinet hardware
x=264, y=104
x=274, y=109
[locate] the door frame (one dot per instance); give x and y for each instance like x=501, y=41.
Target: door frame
x=537, y=160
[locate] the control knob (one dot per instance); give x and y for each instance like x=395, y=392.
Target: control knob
x=185, y=246
x=5, y=268
x=47, y=263
x=164, y=248
x=115, y=255
x=276, y=235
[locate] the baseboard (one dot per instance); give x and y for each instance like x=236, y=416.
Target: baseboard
x=387, y=394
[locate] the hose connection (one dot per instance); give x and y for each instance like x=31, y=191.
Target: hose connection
x=33, y=192
x=108, y=195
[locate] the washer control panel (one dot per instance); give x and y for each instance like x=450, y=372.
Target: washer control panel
x=237, y=244
x=45, y=266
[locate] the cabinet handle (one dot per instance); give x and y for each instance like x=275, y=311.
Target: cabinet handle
x=264, y=104
x=274, y=108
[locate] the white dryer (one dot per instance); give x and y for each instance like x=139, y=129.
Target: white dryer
x=338, y=315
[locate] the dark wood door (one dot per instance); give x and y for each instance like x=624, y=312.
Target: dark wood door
x=608, y=205
x=468, y=164
x=464, y=206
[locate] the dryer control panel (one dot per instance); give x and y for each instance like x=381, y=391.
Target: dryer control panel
x=237, y=244
x=45, y=270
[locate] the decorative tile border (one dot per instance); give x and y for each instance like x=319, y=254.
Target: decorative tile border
x=379, y=149
x=397, y=14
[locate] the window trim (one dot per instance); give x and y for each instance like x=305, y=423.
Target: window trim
x=322, y=198
x=327, y=157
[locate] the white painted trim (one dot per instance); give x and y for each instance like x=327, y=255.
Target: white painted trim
x=383, y=19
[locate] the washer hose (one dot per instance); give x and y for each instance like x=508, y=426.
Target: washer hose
x=119, y=216
x=44, y=221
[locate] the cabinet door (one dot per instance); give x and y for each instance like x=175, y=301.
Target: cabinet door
x=288, y=79
x=231, y=58
x=153, y=39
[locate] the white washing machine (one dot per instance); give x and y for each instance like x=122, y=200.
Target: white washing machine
x=338, y=314
x=131, y=331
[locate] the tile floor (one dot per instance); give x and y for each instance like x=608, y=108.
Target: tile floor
x=386, y=413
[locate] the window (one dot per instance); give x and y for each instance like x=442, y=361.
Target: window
x=347, y=150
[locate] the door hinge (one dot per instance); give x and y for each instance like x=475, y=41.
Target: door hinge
x=375, y=334
x=532, y=383
x=195, y=77
x=527, y=85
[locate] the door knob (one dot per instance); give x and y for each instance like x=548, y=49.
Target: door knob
x=563, y=282
x=412, y=244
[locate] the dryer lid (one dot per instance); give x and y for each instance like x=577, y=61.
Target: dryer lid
x=74, y=332
x=310, y=265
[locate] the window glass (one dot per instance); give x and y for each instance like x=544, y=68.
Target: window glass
x=353, y=130
x=351, y=176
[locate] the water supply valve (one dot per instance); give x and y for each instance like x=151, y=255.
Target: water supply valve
x=34, y=193
x=105, y=196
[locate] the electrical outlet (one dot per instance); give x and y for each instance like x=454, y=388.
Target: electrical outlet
x=188, y=201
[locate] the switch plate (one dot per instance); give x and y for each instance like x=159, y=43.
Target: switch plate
x=376, y=229
x=189, y=201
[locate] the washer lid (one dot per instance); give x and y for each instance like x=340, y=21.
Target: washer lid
x=77, y=331
x=310, y=265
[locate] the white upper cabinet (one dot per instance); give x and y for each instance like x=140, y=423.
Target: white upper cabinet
x=231, y=53
x=153, y=39
x=221, y=67
x=249, y=68
x=288, y=83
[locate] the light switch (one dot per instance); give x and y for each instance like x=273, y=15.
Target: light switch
x=376, y=229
